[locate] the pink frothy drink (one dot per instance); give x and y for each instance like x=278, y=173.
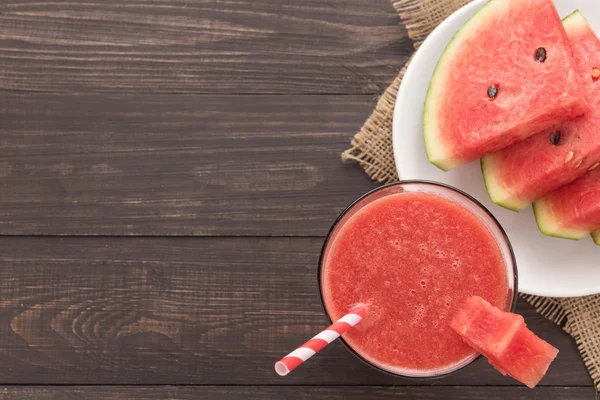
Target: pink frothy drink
x=412, y=253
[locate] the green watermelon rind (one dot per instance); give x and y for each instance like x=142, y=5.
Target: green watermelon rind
x=549, y=227
x=573, y=17
x=498, y=194
x=596, y=237
x=442, y=159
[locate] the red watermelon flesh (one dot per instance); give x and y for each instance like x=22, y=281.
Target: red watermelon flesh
x=464, y=317
x=475, y=312
x=527, y=357
x=525, y=172
x=486, y=327
x=490, y=90
x=505, y=340
x=573, y=211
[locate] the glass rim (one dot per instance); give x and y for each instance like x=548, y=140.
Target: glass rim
x=468, y=197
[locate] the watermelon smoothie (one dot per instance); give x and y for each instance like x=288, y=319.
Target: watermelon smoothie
x=412, y=253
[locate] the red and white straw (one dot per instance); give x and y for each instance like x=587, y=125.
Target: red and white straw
x=289, y=363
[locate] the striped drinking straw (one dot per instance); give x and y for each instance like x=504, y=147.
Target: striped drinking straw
x=288, y=363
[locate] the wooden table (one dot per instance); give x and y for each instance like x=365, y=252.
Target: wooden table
x=168, y=171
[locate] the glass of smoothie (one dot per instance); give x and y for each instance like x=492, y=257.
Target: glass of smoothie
x=412, y=252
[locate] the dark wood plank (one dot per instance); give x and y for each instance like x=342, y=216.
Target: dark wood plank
x=177, y=165
x=292, y=393
x=200, y=46
x=188, y=311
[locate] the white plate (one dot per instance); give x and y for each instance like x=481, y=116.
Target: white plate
x=547, y=266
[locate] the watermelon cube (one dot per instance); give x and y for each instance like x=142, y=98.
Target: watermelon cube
x=485, y=327
x=520, y=174
x=527, y=357
x=504, y=339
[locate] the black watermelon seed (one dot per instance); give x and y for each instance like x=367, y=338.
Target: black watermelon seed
x=540, y=55
x=492, y=92
x=555, y=137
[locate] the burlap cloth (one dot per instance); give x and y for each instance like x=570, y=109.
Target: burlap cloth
x=372, y=149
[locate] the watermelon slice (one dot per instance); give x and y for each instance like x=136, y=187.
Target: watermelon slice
x=505, y=340
x=525, y=172
x=596, y=237
x=506, y=75
x=572, y=211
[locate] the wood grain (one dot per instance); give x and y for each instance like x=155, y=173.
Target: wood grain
x=211, y=311
x=292, y=393
x=200, y=118
x=200, y=46
x=177, y=165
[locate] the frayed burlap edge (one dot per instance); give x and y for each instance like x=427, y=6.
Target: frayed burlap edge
x=580, y=318
x=372, y=149
x=421, y=17
x=548, y=307
x=372, y=146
